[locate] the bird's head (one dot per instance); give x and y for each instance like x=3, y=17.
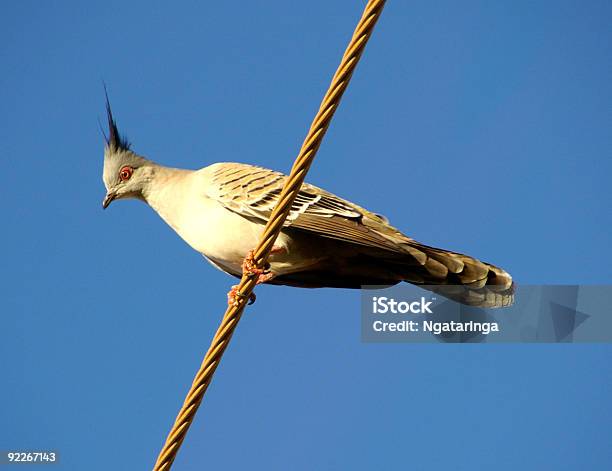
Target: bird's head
x=125, y=173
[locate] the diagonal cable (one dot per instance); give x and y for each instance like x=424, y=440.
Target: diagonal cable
x=292, y=186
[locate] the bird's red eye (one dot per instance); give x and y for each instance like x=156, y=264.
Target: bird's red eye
x=125, y=173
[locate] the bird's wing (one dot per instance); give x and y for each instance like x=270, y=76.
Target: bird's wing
x=252, y=192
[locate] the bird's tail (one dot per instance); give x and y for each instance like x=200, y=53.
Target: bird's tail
x=461, y=278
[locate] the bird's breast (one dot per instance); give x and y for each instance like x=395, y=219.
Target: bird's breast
x=221, y=235
x=217, y=233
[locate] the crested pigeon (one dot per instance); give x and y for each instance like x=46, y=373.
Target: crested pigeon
x=221, y=210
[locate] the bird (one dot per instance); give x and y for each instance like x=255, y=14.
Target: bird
x=326, y=242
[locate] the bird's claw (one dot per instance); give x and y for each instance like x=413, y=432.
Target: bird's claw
x=250, y=268
x=234, y=295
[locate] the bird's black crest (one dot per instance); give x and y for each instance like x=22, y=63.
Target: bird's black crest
x=114, y=140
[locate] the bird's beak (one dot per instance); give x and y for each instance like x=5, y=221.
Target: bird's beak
x=108, y=199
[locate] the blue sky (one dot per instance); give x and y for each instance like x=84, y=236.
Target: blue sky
x=481, y=127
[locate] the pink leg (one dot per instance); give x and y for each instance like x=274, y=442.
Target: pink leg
x=278, y=249
x=249, y=267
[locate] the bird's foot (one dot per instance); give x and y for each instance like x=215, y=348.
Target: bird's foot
x=233, y=297
x=250, y=268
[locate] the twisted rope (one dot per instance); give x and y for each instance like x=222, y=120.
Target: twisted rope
x=292, y=186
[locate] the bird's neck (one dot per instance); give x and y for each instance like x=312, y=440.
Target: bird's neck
x=163, y=191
